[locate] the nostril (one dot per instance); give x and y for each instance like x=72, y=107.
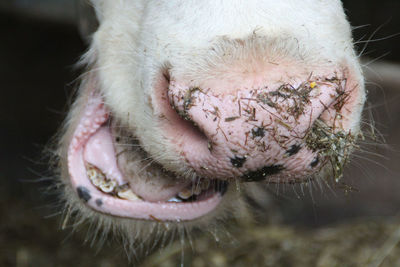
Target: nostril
x=177, y=124
x=182, y=100
x=166, y=75
x=191, y=128
x=183, y=119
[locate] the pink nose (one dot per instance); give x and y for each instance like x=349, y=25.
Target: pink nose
x=257, y=132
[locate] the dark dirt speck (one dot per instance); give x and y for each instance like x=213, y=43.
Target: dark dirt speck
x=83, y=193
x=262, y=173
x=238, y=161
x=258, y=132
x=314, y=162
x=99, y=202
x=293, y=150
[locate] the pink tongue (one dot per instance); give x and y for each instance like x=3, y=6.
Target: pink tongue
x=99, y=151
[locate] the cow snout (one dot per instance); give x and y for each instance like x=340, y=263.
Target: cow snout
x=255, y=128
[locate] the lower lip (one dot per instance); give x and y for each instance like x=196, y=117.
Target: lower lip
x=160, y=211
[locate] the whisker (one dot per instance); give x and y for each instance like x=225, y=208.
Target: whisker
x=372, y=161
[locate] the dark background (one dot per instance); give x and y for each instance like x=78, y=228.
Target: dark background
x=39, y=45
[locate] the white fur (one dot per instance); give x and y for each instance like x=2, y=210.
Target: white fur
x=137, y=39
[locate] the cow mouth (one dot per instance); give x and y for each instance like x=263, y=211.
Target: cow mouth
x=96, y=176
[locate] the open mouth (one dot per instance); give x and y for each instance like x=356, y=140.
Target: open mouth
x=294, y=143
x=98, y=181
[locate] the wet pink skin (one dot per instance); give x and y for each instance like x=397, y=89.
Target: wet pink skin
x=101, y=152
x=224, y=126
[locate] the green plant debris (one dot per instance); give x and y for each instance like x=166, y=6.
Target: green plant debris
x=229, y=119
x=299, y=98
x=188, y=103
x=188, y=100
x=333, y=145
x=266, y=100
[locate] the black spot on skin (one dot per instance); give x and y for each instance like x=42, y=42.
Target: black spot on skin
x=314, y=162
x=261, y=174
x=83, y=193
x=99, y=202
x=258, y=132
x=293, y=150
x=238, y=161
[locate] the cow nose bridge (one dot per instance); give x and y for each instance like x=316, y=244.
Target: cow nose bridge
x=251, y=132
